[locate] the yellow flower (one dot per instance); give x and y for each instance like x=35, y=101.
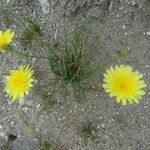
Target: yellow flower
x=124, y=83
x=5, y=38
x=19, y=82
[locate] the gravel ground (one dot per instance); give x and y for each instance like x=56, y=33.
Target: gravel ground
x=121, y=24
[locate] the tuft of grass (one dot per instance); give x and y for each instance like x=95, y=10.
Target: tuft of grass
x=87, y=130
x=45, y=145
x=69, y=62
x=31, y=32
x=5, y=147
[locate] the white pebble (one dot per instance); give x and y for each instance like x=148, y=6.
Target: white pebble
x=21, y=102
x=146, y=66
x=148, y=33
x=38, y=105
x=98, y=126
x=25, y=109
x=123, y=27
x=12, y=123
x=59, y=119
x=82, y=109
x=103, y=126
x=2, y=134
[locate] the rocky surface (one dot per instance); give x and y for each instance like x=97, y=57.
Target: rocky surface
x=24, y=143
x=122, y=24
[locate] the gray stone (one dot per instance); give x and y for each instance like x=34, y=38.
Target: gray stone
x=24, y=143
x=45, y=6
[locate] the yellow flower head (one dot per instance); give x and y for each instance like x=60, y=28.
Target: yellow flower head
x=18, y=82
x=124, y=83
x=5, y=38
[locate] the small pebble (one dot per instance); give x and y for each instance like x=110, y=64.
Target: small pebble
x=38, y=105
x=59, y=119
x=145, y=106
x=100, y=117
x=9, y=102
x=148, y=33
x=123, y=27
x=25, y=109
x=2, y=134
x=21, y=102
x=147, y=66
x=82, y=109
x=12, y=123
x=103, y=126
x=98, y=126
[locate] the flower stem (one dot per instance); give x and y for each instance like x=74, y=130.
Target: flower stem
x=9, y=49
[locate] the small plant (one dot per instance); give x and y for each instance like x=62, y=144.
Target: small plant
x=5, y=16
x=45, y=145
x=31, y=31
x=124, y=52
x=148, y=1
x=5, y=147
x=87, y=130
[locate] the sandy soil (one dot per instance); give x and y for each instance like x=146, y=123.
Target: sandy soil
x=121, y=24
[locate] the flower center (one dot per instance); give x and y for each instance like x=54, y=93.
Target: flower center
x=122, y=85
x=125, y=86
x=19, y=82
